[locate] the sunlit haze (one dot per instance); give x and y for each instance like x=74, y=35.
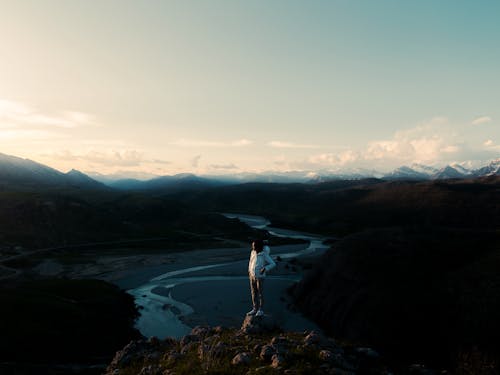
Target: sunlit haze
x=223, y=87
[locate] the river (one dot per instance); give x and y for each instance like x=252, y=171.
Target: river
x=220, y=289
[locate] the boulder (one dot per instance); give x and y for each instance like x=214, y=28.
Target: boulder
x=241, y=359
x=259, y=324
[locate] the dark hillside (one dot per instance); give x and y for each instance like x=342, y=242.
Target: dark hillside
x=49, y=219
x=432, y=294
x=54, y=321
x=342, y=207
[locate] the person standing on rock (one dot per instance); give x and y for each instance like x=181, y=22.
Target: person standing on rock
x=260, y=263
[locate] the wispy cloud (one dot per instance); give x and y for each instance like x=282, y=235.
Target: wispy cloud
x=110, y=158
x=205, y=143
x=437, y=141
x=488, y=143
x=17, y=114
x=283, y=144
x=482, y=120
x=223, y=166
x=195, y=162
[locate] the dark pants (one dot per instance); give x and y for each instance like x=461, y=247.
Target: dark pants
x=257, y=288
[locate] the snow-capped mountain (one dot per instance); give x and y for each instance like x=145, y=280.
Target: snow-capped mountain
x=492, y=169
x=407, y=173
x=449, y=172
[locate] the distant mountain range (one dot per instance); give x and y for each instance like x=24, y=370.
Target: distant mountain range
x=18, y=172
x=15, y=171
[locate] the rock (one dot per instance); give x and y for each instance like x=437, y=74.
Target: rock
x=172, y=356
x=219, y=349
x=313, y=339
x=259, y=324
x=267, y=352
x=326, y=355
x=150, y=370
x=281, y=344
x=132, y=351
x=219, y=329
x=277, y=361
x=200, y=331
x=203, y=350
x=186, y=348
x=189, y=338
x=241, y=359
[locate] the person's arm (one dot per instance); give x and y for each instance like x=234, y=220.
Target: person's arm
x=270, y=262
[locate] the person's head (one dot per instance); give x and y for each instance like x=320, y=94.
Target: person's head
x=258, y=245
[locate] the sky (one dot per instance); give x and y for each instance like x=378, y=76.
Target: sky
x=224, y=87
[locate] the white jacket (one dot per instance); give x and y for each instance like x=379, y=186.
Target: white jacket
x=259, y=261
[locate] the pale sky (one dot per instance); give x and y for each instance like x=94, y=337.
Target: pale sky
x=217, y=87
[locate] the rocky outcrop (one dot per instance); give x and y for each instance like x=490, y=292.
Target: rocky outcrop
x=259, y=346
x=259, y=324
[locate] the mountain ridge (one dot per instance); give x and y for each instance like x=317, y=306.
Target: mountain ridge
x=18, y=171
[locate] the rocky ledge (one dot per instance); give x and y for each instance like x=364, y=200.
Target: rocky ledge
x=258, y=347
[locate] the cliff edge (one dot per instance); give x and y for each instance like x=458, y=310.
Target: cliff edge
x=258, y=347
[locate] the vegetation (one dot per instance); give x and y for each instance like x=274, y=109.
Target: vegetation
x=342, y=207
x=57, y=321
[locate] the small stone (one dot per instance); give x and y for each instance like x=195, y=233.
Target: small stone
x=277, y=361
x=199, y=331
x=149, y=370
x=186, y=348
x=313, y=338
x=172, y=356
x=326, y=355
x=267, y=352
x=241, y=359
x=202, y=351
x=189, y=338
x=220, y=348
x=153, y=356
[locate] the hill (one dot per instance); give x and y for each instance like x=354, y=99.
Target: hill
x=17, y=173
x=340, y=207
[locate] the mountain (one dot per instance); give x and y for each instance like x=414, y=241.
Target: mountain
x=176, y=183
x=406, y=173
x=79, y=179
x=109, y=179
x=492, y=169
x=19, y=172
x=450, y=172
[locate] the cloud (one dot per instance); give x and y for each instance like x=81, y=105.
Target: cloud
x=111, y=158
x=282, y=144
x=488, y=143
x=195, y=161
x=204, y=143
x=159, y=161
x=437, y=141
x=482, y=120
x=223, y=166
x=21, y=115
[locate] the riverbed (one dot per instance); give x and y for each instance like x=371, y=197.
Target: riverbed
x=211, y=287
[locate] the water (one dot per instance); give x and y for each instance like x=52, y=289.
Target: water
x=161, y=315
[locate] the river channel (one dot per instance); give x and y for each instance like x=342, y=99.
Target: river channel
x=218, y=293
